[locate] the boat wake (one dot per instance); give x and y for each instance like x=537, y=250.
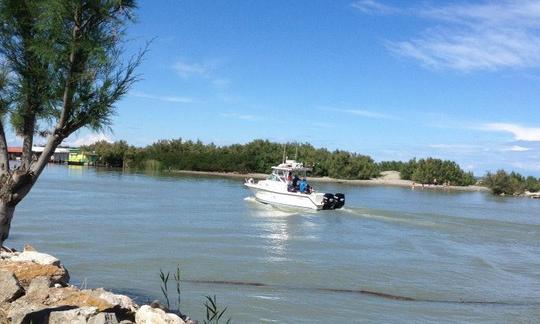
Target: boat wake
x=387, y=216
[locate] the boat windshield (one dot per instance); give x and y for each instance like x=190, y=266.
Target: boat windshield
x=278, y=175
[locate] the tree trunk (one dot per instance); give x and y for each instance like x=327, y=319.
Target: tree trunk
x=6, y=214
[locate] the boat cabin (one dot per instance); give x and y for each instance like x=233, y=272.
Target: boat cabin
x=290, y=167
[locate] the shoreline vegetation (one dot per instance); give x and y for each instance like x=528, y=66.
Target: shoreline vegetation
x=254, y=160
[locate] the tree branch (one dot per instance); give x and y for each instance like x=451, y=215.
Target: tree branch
x=4, y=159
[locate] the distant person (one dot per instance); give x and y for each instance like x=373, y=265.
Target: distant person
x=295, y=182
x=303, y=186
x=289, y=178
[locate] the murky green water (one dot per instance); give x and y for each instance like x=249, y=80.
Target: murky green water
x=463, y=257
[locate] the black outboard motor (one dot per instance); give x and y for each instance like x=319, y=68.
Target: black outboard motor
x=329, y=201
x=339, y=200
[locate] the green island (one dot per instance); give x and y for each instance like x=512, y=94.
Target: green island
x=259, y=155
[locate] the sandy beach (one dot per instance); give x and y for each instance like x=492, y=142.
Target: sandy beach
x=388, y=178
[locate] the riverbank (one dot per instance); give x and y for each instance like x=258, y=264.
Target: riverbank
x=34, y=288
x=388, y=178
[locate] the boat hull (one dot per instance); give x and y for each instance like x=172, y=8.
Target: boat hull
x=289, y=199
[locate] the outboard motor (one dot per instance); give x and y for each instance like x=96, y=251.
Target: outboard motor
x=339, y=200
x=329, y=201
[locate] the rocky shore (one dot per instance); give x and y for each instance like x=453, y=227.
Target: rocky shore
x=34, y=288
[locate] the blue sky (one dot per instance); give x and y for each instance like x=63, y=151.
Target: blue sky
x=391, y=79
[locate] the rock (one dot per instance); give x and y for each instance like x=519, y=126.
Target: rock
x=157, y=304
x=27, y=271
x=121, y=301
x=149, y=315
x=30, y=256
x=3, y=317
x=75, y=316
x=124, y=322
x=28, y=247
x=103, y=318
x=10, y=288
x=23, y=311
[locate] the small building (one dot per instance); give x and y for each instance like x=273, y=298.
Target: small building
x=60, y=155
x=14, y=153
x=79, y=157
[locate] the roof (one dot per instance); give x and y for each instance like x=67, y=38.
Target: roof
x=36, y=149
x=39, y=149
x=14, y=149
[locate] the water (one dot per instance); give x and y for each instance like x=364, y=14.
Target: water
x=462, y=257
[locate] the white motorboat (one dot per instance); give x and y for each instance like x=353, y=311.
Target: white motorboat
x=283, y=187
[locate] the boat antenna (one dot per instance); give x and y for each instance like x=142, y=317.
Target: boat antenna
x=284, y=148
x=296, y=153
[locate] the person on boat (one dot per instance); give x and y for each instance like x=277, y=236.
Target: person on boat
x=295, y=182
x=290, y=186
x=303, y=186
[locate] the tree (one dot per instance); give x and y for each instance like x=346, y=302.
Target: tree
x=62, y=70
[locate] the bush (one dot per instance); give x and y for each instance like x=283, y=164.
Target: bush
x=436, y=171
x=510, y=183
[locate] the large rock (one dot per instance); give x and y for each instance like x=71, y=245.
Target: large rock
x=103, y=318
x=149, y=315
x=28, y=271
x=74, y=316
x=120, y=301
x=40, y=300
x=30, y=256
x=10, y=289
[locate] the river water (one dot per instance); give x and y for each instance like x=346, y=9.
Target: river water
x=391, y=255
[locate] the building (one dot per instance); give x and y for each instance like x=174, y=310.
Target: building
x=79, y=157
x=61, y=154
x=14, y=153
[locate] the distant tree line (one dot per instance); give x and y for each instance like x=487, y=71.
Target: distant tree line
x=259, y=156
x=511, y=183
x=431, y=171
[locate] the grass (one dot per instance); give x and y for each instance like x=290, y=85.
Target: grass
x=214, y=313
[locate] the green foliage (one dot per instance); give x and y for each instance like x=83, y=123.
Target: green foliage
x=392, y=165
x=164, y=277
x=213, y=311
x=165, y=286
x=256, y=156
x=436, y=171
x=510, y=183
x=110, y=154
x=65, y=59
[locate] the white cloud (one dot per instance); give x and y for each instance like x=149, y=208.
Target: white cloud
x=365, y=113
x=240, y=116
x=186, y=70
x=453, y=146
x=174, y=99
x=517, y=148
x=482, y=36
x=90, y=139
x=373, y=7
x=520, y=133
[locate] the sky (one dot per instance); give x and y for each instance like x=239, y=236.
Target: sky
x=456, y=80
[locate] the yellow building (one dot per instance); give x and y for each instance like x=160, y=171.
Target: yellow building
x=78, y=157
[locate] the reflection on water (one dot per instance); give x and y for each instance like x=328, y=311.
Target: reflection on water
x=118, y=229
